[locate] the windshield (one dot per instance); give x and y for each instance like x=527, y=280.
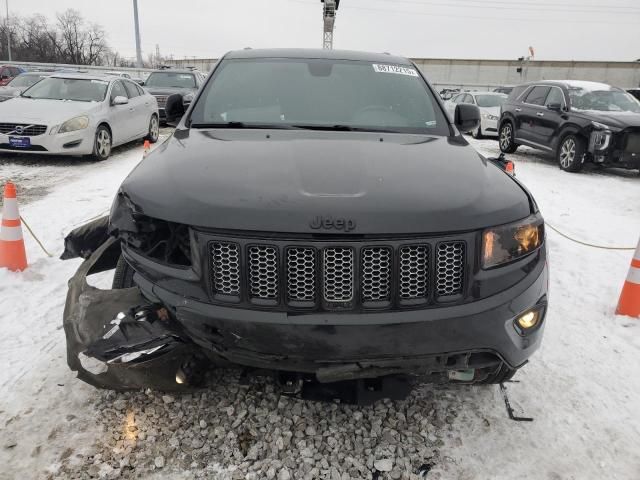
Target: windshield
x=612, y=100
x=319, y=93
x=488, y=101
x=79, y=90
x=26, y=80
x=171, y=80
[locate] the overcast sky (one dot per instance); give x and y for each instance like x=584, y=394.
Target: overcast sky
x=559, y=30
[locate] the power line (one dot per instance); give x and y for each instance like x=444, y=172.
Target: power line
x=536, y=6
x=476, y=17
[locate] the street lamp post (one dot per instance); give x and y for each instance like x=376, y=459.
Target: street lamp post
x=6, y=24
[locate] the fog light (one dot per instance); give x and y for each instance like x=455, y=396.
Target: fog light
x=528, y=320
x=181, y=378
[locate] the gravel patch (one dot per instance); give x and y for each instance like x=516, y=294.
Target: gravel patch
x=231, y=431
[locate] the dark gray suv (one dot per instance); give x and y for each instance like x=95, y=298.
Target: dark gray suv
x=315, y=213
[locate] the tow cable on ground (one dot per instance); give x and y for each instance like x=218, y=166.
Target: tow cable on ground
x=602, y=247
x=34, y=237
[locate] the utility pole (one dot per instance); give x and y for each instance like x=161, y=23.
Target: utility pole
x=137, y=24
x=6, y=24
x=328, y=20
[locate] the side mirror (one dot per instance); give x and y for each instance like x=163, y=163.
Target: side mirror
x=556, y=107
x=466, y=117
x=140, y=82
x=120, y=100
x=174, y=109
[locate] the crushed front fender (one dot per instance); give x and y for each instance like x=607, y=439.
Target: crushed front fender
x=91, y=314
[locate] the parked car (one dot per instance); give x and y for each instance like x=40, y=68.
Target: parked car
x=167, y=81
x=316, y=213
x=505, y=90
x=8, y=73
x=447, y=93
x=139, y=81
x=577, y=121
x=635, y=92
x=78, y=114
x=20, y=83
x=489, y=104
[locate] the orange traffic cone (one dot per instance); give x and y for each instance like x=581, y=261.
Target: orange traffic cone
x=629, y=303
x=12, y=252
x=147, y=147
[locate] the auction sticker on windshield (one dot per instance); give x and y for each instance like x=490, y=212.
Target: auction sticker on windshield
x=395, y=69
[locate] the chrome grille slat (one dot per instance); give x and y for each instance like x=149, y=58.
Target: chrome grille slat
x=225, y=257
x=29, y=130
x=414, y=272
x=162, y=100
x=375, y=274
x=301, y=274
x=338, y=274
x=450, y=268
x=263, y=272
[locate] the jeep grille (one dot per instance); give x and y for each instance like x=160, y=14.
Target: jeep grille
x=325, y=276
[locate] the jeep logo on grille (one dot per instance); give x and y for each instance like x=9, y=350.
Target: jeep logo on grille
x=329, y=223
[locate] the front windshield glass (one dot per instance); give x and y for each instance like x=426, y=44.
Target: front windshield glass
x=26, y=80
x=599, y=99
x=321, y=94
x=488, y=101
x=79, y=90
x=171, y=80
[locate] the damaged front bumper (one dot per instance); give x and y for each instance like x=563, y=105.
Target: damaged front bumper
x=117, y=339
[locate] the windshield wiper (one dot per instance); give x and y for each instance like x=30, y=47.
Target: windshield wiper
x=344, y=128
x=261, y=126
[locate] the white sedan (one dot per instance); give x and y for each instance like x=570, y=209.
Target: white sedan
x=78, y=114
x=489, y=104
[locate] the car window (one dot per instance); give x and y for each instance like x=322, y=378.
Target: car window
x=458, y=98
x=555, y=97
x=140, y=89
x=126, y=75
x=117, y=90
x=132, y=91
x=171, y=80
x=320, y=93
x=537, y=95
x=72, y=89
x=516, y=92
x=15, y=71
x=469, y=99
x=601, y=97
x=4, y=72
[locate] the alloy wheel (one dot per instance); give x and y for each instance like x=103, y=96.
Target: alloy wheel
x=103, y=143
x=568, y=152
x=505, y=136
x=154, y=128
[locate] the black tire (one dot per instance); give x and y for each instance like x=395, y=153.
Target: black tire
x=102, y=143
x=570, y=154
x=154, y=129
x=506, y=138
x=502, y=374
x=477, y=134
x=123, y=276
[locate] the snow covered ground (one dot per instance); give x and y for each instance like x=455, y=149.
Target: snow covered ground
x=582, y=388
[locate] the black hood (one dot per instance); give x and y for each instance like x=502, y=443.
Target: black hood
x=619, y=120
x=280, y=181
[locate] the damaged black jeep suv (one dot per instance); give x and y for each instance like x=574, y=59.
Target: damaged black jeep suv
x=317, y=214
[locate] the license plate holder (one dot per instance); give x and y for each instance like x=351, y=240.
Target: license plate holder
x=19, y=142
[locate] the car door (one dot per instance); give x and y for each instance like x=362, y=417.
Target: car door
x=120, y=115
x=139, y=108
x=530, y=109
x=548, y=123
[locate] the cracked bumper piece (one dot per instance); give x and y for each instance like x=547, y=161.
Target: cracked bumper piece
x=119, y=340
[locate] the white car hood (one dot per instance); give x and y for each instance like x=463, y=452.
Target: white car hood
x=47, y=112
x=495, y=111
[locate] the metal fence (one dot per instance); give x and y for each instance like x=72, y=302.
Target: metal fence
x=134, y=72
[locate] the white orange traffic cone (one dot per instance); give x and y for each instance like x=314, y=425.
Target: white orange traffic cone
x=629, y=303
x=147, y=147
x=12, y=252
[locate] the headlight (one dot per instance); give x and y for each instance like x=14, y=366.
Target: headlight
x=599, y=126
x=508, y=243
x=188, y=98
x=77, y=123
x=488, y=116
